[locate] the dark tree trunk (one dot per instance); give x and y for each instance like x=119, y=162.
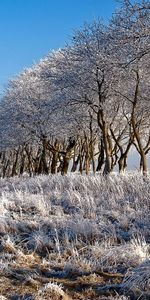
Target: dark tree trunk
x=43, y=168
x=14, y=168
x=75, y=164
x=67, y=156
x=100, y=157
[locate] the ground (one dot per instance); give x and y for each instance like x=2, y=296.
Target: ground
x=75, y=237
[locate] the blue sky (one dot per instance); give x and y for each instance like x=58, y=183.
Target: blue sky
x=29, y=29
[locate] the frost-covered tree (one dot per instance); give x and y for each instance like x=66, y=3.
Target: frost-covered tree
x=131, y=30
x=88, y=100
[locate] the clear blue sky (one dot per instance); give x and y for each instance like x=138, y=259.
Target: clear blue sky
x=29, y=29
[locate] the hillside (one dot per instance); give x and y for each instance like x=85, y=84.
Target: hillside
x=75, y=237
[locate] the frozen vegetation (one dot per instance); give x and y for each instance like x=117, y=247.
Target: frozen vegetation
x=85, y=105
x=75, y=237
x=83, y=109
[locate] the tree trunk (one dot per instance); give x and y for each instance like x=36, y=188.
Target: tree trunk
x=104, y=128
x=22, y=163
x=141, y=148
x=14, y=168
x=75, y=163
x=54, y=162
x=67, y=156
x=43, y=168
x=107, y=167
x=55, y=157
x=101, y=157
x=65, y=165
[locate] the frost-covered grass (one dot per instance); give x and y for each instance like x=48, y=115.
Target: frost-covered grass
x=75, y=237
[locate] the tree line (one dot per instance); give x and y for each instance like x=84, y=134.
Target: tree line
x=84, y=107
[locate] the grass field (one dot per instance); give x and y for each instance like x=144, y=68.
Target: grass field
x=75, y=237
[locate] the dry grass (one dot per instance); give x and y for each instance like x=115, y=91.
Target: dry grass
x=75, y=237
